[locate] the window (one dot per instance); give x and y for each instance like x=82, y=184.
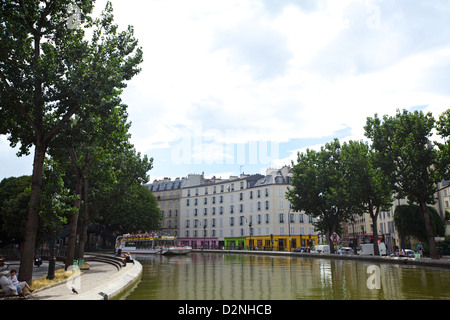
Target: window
x=187, y=202
x=280, y=192
x=232, y=209
x=259, y=219
x=241, y=208
x=251, y=194
x=300, y=218
x=291, y=217
x=281, y=217
x=232, y=221
x=267, y=218
x=267, y=205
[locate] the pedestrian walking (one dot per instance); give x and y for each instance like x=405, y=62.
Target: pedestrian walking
x=420, y=249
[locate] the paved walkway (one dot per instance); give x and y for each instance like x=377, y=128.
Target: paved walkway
x=100, y=282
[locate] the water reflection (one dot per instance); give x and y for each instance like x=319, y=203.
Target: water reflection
x=200, y=276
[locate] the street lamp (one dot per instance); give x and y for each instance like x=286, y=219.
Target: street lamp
x=250, y=227
x=289, y=227
x=241, y=223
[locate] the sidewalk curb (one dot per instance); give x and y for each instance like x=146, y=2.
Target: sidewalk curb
x=111, y=289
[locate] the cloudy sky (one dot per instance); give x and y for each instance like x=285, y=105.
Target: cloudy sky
x=230, y=86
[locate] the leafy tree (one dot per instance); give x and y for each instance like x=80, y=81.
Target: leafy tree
x=407, y=158
x=443, y=160
x=14, y=198
x=47, y=73
x=136, y=211
x=320, y=190
x=90, y=139
x=367, y=183
x=409, y=221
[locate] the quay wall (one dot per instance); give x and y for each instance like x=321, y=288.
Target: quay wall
x=424, y=262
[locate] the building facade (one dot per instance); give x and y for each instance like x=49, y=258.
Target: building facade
x=241, y=208
x=168, y=195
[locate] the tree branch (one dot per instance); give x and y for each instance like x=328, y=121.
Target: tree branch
x=19, y=105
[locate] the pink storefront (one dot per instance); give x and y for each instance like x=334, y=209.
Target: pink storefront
x=199, y=243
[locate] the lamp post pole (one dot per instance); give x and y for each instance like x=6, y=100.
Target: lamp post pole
x=289, y=227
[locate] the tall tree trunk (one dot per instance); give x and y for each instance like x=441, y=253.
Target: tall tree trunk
x=374, y=216
x=26, y=262
x=70, y=253
x=429, y=229
x=329, y=241
x=85, y=223
x=71, y=243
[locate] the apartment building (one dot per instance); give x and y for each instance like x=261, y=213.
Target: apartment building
x=213, y=210
x=360, y=228
x=168, y=195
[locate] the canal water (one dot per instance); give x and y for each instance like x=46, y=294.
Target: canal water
x=211, y=276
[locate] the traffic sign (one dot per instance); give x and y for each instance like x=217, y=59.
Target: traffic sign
x=335, y=237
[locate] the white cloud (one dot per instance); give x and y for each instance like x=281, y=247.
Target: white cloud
x=264, y=70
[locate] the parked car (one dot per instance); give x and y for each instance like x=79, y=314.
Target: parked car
x=346, y=250
x=367, y=249
x=404, y=253
x=409, y=253
x=321, y=248
x=300, y=249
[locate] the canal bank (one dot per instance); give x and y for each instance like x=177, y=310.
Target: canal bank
x=105, y=279
x=424, y=262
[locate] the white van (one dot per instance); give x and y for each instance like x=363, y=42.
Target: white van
x=367, y=249
x=321, y=248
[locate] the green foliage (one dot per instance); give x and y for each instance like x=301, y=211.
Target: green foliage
x=405, y=153
x=409, y=222
x=443, y=157
x=367, y=183
x=320, y=188
x=14, y=198
x=136, y=211
x=57, y=200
